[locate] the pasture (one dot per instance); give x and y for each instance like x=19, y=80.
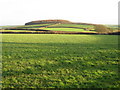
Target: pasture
x=56, y=27
x=52, y=27
x=59, y=61
x=72, y=25
x=66, y=29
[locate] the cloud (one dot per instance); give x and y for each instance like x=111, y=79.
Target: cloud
x=92, y=11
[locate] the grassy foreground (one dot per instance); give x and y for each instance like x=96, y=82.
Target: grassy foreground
x=55, y=61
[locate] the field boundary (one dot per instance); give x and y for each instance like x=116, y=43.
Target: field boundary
x=61, y=32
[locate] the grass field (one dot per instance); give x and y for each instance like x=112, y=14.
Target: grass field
x=66, y=29
x=60, y=61
x=15, y=30
x=73, y=25
x=33, y=26
x=56, y=27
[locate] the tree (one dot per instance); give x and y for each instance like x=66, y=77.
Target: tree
x=101, y=29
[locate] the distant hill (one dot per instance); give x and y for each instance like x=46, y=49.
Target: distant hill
x=55, y=21
x=59, y=27
x=48, y=22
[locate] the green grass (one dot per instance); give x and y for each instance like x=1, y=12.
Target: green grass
x=15, y=30
x=73, y=25
x=113, y=27
x=60, y=61
x=67, y=29
x=64, y=29
x=4, y=27
x=33, y=26
x=56, y=26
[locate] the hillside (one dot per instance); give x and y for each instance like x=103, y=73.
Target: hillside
x=57, y=27
x=48, y=22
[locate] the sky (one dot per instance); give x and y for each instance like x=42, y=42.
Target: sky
x=18, y=12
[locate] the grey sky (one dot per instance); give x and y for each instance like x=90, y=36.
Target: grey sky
x=18, y=12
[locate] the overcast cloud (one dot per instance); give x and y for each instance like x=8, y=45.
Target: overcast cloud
x=18, y=12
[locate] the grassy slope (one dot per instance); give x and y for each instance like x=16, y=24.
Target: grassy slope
x=32, y=26
x=57, y=27
x=65, y=29
x=80, y=61
x=113, y=27
x=69, y=27
x=15, y=30
x=62, y=27
x=73, y=25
